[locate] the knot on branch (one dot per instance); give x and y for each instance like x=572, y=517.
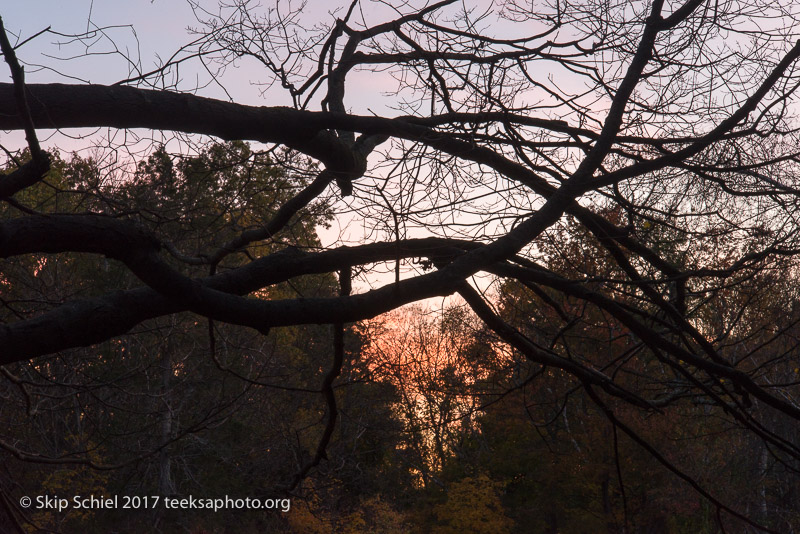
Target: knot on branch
x=352, y=163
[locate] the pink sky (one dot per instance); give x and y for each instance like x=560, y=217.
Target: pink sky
x=155, y=29
x=151, y=31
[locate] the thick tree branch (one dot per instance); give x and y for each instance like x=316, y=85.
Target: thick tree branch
x=33, y=171
x=85, y=322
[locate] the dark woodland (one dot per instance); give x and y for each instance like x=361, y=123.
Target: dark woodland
x=571, y=304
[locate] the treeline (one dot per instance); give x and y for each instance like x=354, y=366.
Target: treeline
x=437, y=425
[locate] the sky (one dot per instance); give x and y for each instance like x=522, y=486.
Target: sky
x=148, y=31
x=138, y=27
x=153, y=22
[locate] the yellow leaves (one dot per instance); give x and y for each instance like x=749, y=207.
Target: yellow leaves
x=305, y=517
x=71, y=481
x=473, y=506
x=383, y=518
x=372, y=516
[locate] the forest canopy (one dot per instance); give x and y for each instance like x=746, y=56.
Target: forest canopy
x=464, y=267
